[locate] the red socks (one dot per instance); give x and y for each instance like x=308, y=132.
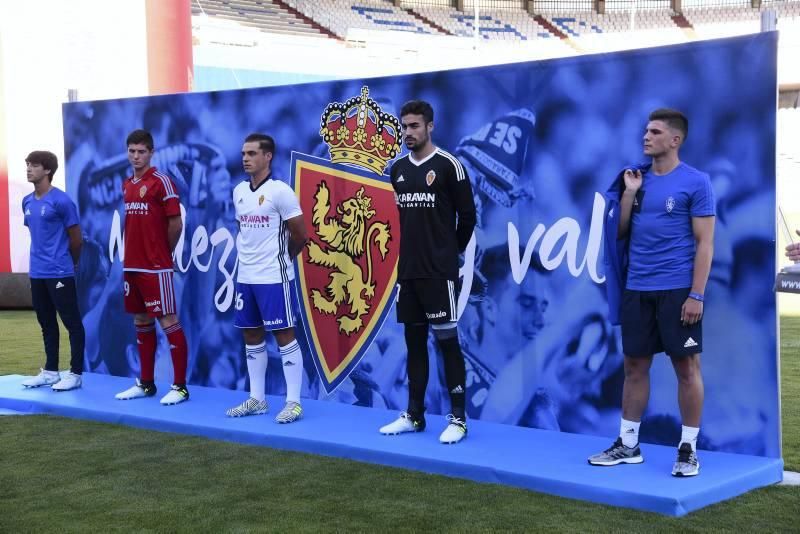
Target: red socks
x=146, y=339
x=179, y=352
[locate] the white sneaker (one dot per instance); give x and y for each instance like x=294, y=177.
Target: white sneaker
x=69, y=381
x=249, y=407
x=290, y=413
x=176, y=395
x=455, y=431
x=403, y=424
x=44, y=378
x=136, y=392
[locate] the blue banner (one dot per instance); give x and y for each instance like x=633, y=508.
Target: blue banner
x=541, y=141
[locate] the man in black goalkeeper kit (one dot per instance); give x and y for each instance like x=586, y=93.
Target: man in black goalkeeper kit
x=437, y=216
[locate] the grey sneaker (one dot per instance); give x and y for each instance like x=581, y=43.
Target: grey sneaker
x=687, y=464
x=249, y=407
x=290, y=413
x=617, y=454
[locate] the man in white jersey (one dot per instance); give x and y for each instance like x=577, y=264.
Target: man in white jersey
x=271, y=234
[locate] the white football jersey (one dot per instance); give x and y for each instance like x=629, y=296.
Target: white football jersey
x=263, y=240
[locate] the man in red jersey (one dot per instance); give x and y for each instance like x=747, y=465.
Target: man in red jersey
x=152, y=228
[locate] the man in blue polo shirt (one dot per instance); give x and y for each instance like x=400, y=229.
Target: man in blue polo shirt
x=668, y=215
x=56, y=241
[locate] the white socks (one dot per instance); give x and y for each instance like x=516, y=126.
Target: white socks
x=257, y=369
x=689, y=435
x=292, y=370
x=629, y=432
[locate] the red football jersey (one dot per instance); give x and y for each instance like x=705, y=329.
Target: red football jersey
x=149, y=200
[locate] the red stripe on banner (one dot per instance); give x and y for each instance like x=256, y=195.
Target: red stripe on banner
x=5, y=234
x=170, y=67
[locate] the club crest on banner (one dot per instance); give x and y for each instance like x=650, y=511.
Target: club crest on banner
x=347, y=273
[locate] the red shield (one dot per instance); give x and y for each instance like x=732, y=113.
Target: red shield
x=347, y=272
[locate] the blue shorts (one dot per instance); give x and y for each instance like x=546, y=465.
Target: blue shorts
x=271, y=306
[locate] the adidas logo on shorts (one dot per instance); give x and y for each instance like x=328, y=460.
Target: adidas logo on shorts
x=59, y=285
x=690, y=343
x=457, y=389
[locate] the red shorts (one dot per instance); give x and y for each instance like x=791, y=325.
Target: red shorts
x=151, y=293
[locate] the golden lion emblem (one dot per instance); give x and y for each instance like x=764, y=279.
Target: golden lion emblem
x=348, y=237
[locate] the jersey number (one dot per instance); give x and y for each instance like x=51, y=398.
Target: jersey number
x=127, y=289
x=239, y=302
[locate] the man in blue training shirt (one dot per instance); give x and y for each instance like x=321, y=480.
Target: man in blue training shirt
x=52, y=219
x=668, y=216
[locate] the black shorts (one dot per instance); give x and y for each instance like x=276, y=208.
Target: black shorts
x=651, y=323
x=427, y=301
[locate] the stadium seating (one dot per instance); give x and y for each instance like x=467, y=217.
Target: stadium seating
x=512, y=24
x=262, y=15
x=582, y=30
x=340, y=15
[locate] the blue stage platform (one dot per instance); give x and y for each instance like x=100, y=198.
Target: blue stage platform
x=538, y=460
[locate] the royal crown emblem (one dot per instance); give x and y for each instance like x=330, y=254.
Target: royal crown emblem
x=359, y=133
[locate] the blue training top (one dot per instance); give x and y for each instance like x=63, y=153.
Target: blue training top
x=662, y=245
x=48, y=219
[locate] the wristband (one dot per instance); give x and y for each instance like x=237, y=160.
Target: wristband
x=696, y=296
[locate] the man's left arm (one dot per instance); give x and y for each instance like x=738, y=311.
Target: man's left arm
x=75, y=243
x=174, y=229
x=172, y=209
x=464, y=204
x=71, y=220
x=703, y=230
x=297, y=235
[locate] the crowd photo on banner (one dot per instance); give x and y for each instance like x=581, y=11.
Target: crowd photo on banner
x=539, y=143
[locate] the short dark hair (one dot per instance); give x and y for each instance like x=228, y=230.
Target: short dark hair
x=140, y=137
x=265, y=142
x=418, y=107
x=47, y=160
x=673, y=118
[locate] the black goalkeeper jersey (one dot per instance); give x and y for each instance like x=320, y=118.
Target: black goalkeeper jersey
x=437, y=215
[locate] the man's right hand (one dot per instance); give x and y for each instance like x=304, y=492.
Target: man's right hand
x=633, y=180
x=793, y=250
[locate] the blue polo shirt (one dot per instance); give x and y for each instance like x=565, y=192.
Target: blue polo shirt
x=662, y=245
x=48, y=218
